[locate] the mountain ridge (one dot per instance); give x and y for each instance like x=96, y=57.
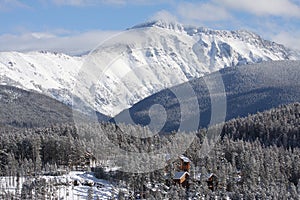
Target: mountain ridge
x=171, y=53
x=193, y=30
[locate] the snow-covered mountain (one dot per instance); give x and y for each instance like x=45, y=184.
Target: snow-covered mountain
x=53, y=74
x=137, y=63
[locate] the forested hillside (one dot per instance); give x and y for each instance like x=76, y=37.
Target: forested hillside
x=247, y=89
x=28, y=109
x=20, y=108
x=278, y=126
x=258, y=156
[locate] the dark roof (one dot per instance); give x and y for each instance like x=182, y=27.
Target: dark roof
x=179, y=175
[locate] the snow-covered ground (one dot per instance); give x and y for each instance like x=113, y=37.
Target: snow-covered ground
x=64, y=187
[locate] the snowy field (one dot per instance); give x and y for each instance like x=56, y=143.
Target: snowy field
x=74, y=185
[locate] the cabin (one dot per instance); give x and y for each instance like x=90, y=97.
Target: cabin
x=212, y=181
x=185, y=163
x=181, y=178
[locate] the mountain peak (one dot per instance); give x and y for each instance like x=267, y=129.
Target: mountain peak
x=168, y=24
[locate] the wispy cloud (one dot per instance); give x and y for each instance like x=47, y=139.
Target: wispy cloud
x=203, y=12
x=8, y=5
x=71, y=44
x=106, y=2
x=164, y=15
x=288, y=38
x=74, y=2
x=273, y=20
x=281, y=8
x=223, y=10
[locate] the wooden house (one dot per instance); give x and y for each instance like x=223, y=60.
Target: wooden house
x=185, y=163
x=181, y=177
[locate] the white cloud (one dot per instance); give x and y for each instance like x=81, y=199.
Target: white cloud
x=256, y=15
x=282, y=8
x=203, y=12
x=222, y=10
x=164, y=15
x=71, y=2
x=289, y=39
x=72, y=44
x=107, y=2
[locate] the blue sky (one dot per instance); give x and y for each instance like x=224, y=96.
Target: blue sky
x=73, y=25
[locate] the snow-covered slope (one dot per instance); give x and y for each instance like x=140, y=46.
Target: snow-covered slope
x=49, y=73
x=158, y=54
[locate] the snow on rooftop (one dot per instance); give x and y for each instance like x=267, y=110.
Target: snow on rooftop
x=179, y=175
x=184, y=158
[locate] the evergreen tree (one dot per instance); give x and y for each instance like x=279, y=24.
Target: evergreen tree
x=90, y=193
